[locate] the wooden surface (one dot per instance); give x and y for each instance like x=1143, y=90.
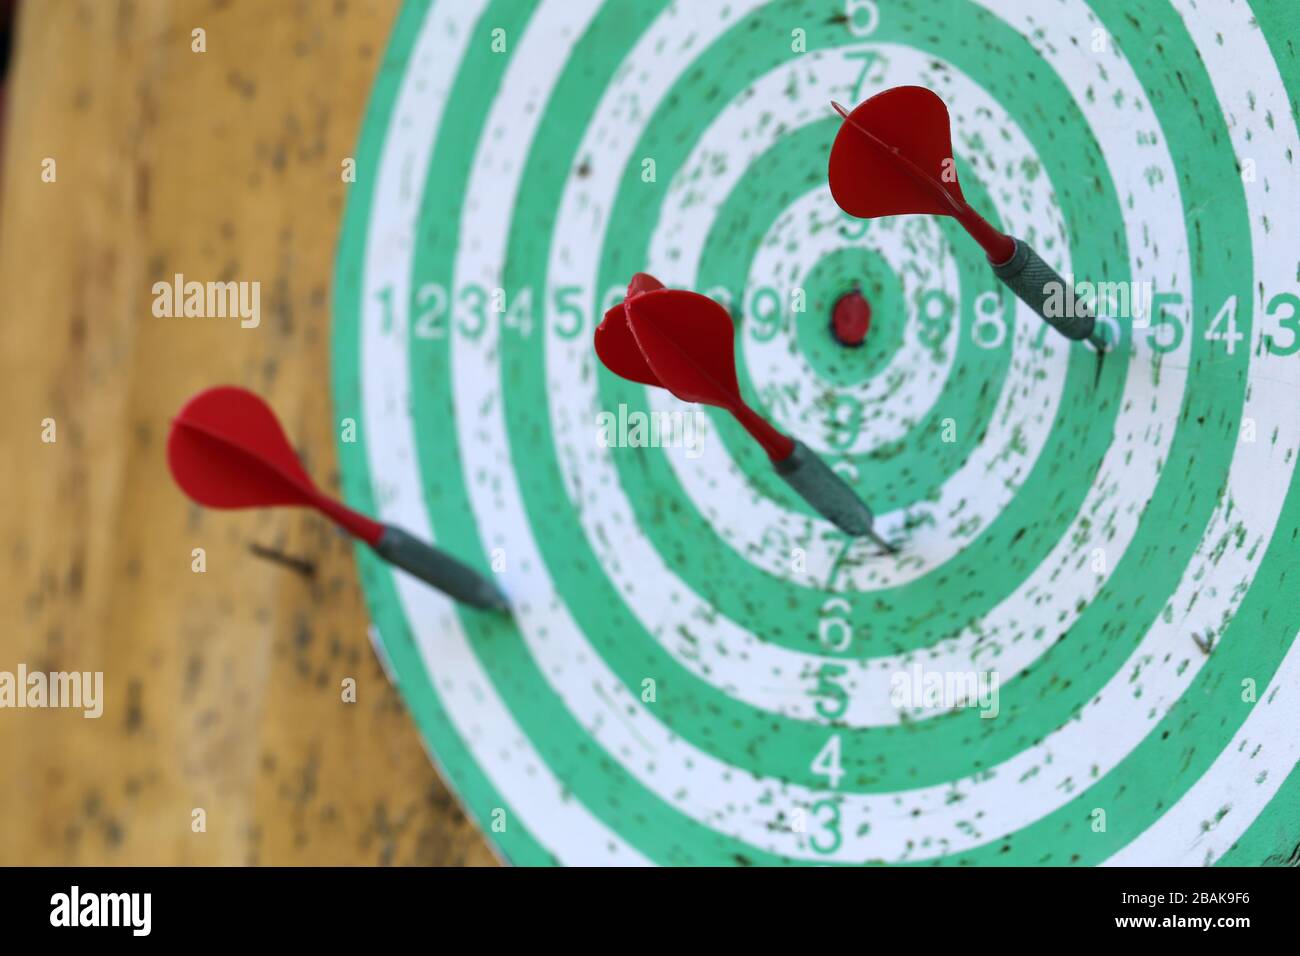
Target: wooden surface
x=222, y=689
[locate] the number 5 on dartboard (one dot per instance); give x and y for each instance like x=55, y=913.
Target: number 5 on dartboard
x=832, y=698
x=566, y=306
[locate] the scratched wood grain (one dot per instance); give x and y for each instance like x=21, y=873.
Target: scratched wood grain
x=222, y=689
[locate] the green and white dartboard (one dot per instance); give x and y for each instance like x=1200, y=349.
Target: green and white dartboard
x=699, y=669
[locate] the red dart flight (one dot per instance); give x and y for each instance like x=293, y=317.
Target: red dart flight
x=227, y=450
x=893, y=155
x=681, y=341
x=684, y=342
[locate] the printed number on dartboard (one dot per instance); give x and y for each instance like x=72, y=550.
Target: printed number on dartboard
x=436, y=312
x=468, y=312
x=834, y=633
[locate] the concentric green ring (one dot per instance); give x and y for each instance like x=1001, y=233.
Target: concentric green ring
x=888, y=477
x=833, y=277
x=1209, y=706
x=914, y=615
x=875, y=759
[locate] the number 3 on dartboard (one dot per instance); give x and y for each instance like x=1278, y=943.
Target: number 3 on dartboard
x=1289, y=323
x=828, y=838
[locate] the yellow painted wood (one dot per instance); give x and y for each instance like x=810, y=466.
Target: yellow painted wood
x=222, y=689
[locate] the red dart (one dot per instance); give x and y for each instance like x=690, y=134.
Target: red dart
x=615, y=345
x=687, y=340
x=893, y=155
x=897, y=158
x=227, y=450
x=684, y=342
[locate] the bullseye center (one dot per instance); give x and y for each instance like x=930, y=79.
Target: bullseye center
x=850, y=319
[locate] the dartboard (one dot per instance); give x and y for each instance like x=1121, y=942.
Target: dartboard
x=1085, y=650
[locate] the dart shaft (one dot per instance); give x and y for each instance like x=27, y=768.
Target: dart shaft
x=1035, y=282
x=997, y=246
x=826, y=491
x=777, y=445
x=439, y=569
x=353, y=522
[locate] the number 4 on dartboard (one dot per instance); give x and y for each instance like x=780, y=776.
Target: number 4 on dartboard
x=827, y=762
x=1223, y=327
x=519, y=313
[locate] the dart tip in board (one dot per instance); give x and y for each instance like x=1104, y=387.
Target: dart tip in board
x=486, y=596
x=1100, y=345
x=884, y=545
